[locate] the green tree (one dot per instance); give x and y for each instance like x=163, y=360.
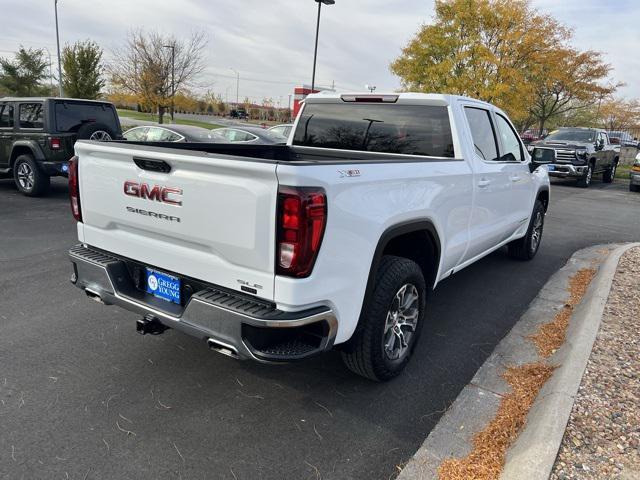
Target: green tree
x=82, y=66
x=23, y=76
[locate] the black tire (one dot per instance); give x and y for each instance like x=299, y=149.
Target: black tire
x=527, y=247
x=634, y=188
x=366, y=353
x=610, y=173
x=29, y=179
x=585, y=180
x=96, y=131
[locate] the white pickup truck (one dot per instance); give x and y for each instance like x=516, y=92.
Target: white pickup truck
x=278, y=253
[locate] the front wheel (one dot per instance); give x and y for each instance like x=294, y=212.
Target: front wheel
x=585, y=180
x=610, y=174
x=29, y=179
x=391, y=322
x=526, y=247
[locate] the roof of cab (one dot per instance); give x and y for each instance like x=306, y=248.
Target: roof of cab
x=43, y=99
x=406, y=96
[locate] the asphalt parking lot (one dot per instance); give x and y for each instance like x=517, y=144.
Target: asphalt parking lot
x=82, y=396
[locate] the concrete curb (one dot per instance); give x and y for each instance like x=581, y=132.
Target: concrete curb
x=533, y=454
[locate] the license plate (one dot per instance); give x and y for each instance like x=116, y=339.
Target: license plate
x=161, y=285
x=551, y=168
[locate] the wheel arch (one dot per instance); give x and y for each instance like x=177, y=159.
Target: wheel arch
x=404, y=240
x=543, y=196
x=25, y=148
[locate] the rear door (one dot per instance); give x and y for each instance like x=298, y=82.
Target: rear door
x=209, y=217
x=6, y=132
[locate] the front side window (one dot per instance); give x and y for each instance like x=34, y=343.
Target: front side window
x=31, y=115
x=422, y=130
x=6, y=116
x=484, y=139
x=511, y=149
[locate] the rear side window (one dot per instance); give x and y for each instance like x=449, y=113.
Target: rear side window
x=31, y=115
x=484, y=138
x=401, y=129
x=70, y=116
x=6, y=116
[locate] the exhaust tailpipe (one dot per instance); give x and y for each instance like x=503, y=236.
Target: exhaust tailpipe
x=93, y=295
x=222, y=348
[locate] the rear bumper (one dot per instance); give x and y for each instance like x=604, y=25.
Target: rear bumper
x=59, y=168
x=234, y=324
x=563, y=170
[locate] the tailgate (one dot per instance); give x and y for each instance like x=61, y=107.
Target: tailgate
x=210, y=218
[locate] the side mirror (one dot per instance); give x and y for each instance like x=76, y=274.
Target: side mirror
x=600, y=144
x=542, y=156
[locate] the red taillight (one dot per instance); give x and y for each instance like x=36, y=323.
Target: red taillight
x=74, y=189
x=302, y=216
x=55, y=143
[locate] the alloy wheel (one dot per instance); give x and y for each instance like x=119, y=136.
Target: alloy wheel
x=26, y=176
x=536, y=233
x=401, y=322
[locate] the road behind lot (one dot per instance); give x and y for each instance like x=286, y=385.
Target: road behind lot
x=82, y=396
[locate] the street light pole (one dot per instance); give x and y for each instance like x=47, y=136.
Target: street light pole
x=237, y=85
x=58, y=42
x=315, y=52
x=173, y=80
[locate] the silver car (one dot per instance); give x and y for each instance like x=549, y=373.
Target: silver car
x=634, y=184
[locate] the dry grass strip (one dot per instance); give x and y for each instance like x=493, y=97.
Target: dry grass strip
x=490, y=445
x=551, y=336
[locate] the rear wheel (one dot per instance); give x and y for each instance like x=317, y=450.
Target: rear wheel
x=610, y=174
x=526, y=247
x=29, y=179
x=634, y=188
x=585, y=180
x=391, y=321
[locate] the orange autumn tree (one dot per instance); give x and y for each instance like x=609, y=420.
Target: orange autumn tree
x=500, y=51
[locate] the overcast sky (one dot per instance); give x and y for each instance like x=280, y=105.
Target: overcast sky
x=271, y=42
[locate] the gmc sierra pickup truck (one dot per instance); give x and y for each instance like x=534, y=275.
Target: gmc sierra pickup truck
x=277, y=253
x=580, y=154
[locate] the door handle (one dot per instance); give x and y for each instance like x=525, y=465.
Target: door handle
x=484, y=183
x=515, y=178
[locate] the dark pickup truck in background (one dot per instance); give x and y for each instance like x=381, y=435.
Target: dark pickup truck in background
x=37, y=136
x=581, y=153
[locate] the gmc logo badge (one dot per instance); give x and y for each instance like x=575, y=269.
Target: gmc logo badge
x=158, y=193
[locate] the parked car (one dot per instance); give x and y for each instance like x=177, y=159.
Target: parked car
x=280, y=253
x=239, y=113
x=634, y=183
x=250, y=135
x=580, y=154
x=623, y=139
x=37, y=136
x=172, y=133
x=283, y=130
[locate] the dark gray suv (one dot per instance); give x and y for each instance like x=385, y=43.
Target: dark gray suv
x=37, y=136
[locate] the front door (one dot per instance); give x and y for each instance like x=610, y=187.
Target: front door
x=491, y=217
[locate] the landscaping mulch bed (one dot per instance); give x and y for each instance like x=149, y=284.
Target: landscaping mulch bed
x=602, y=440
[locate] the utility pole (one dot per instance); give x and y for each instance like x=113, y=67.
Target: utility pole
x=58, y=42
x=315, y=52
x=237, y=85
x=173, y=80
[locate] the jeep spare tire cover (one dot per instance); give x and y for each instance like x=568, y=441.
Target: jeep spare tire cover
x=95, y=131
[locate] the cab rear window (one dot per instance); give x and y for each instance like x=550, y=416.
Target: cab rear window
x=422, y=130
x=70, y=116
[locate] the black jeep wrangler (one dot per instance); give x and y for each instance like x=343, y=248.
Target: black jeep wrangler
x=37, y=136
